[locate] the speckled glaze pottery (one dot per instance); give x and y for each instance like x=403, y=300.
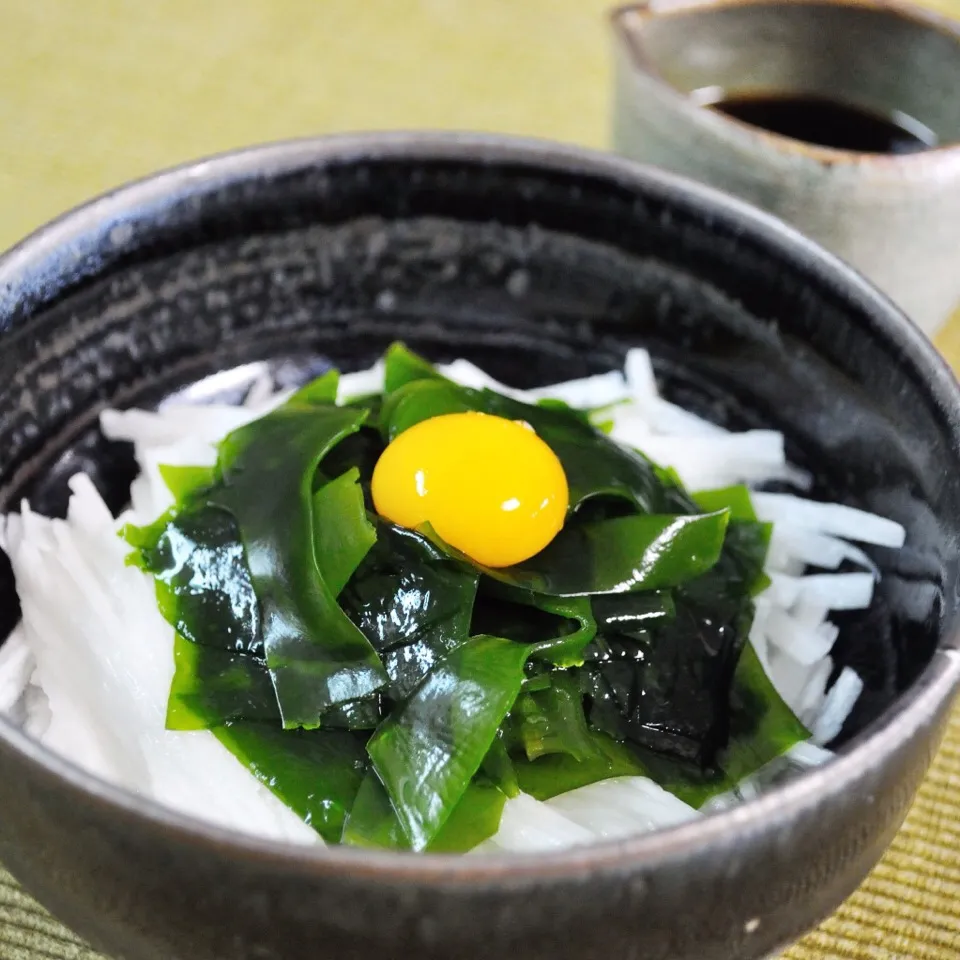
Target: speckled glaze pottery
x=895, y=218
x=540, y=263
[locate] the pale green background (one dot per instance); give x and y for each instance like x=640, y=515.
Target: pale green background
x=96, y=92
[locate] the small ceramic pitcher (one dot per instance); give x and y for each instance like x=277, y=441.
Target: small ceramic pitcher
x=894, y=217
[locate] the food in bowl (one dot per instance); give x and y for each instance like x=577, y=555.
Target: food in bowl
x=412, y=608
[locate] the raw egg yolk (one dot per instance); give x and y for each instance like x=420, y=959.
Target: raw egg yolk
x=487, y=485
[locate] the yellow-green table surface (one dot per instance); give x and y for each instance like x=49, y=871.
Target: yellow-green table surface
x=96, y=92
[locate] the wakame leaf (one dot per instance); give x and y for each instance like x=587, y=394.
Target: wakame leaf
x=342, y=534
x=474, y=819
x=735, y=499
x=211, y=585
x=565, y=650
x=412, y=603
x=637, y=552
x=321, y=391
x=424, y=399
x=665, y=685
x=431, y=746
x=316, y=773
x=557, y=628
x=551, y=721
x=497, y=767
x=212, y=686
x=185, y=481
x=408, y=664
x=203, y=585
x=373, y=822
x=364, y=714
x=360, y=451
x=402, y=366
x=762, y=726
x=556, y=773
x=632, y=612
x=317, y=657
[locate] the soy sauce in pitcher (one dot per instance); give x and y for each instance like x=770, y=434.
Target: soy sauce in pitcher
x=830, y=123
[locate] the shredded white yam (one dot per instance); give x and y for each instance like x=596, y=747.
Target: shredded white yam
x=600, y=390
x=161, y=428
x=16, y=667
x=260, y=392
x=839, y=701
x=809, y=755
x=468, y=374
x=622, y=806
x=104, y=663
x=803, y=644
x=833, y=518
x=362, y=383
x=661, y=415
x=835, y=591
x=818, y=549
x=529, y=825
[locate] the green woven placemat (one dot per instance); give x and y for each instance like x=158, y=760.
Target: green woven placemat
x=28, y=932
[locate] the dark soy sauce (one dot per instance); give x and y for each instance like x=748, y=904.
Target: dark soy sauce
x=829, y=123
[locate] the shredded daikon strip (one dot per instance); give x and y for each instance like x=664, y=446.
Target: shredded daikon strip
x=840, y=700
x=833, y=518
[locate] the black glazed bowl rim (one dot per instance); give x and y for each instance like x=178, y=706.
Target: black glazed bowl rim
x=104, y=230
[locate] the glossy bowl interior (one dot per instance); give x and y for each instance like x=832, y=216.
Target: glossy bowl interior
x=539, y=263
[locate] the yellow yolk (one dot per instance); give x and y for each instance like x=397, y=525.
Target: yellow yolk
x=488, y=486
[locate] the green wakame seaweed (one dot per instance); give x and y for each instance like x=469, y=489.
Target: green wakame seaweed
x=373, y=820
x=316, y=655
x=429, y=749
x=431, y=688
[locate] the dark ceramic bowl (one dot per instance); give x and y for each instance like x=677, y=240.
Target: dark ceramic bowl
x=540, y=263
